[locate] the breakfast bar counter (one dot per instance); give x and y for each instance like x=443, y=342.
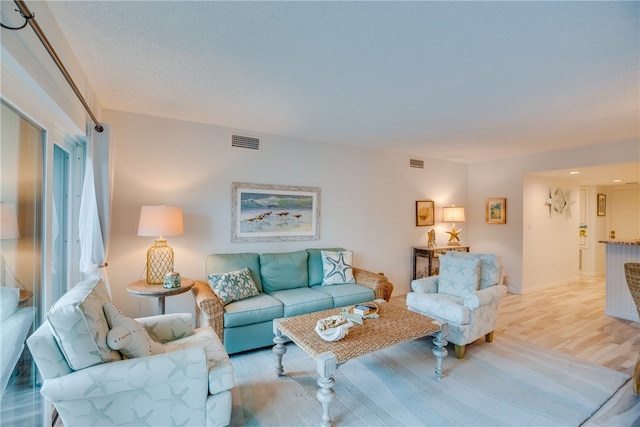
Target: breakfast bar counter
x=618, y=300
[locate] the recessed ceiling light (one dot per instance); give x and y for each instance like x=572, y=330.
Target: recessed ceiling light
x=617, y=180
x=574, y=172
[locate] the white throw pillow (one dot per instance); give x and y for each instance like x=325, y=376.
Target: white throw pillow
x=337, y=267
x=458, y=276
x=233, y=286
x=129, y=336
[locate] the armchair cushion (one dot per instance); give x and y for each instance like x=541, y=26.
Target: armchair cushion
x=490, y=269
x=233, y=286
x=129, y=336
x=337, y=267
x=458, y=276
x=78, y=323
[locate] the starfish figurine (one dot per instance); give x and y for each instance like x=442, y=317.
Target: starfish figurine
x=454, y=238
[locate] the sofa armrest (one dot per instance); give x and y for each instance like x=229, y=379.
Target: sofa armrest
x=188, y=366
x=425, y=285
x=168, y=327
x=209, y=308
x=379, y=283
x=485, y=296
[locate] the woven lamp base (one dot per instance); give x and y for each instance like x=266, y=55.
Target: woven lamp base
x=159, y=261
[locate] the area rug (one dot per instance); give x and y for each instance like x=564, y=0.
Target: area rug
x=501, y=383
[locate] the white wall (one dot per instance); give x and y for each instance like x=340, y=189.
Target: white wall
x=505, y=178
x=367, y=198
x=550, y=238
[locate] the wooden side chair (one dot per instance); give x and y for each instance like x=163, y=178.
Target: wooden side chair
x=632, y=273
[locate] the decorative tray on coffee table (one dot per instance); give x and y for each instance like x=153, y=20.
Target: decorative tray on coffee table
x=373, y=309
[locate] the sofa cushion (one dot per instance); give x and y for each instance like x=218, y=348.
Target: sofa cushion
x=316, y=273
x=490, y=267
x=233, y=286
x=248, y=311
x=128, y=336
x=347, y=294
x=303, y=301
x=440, y=306
x=337, y=267
x=223, y=263
x=282, y=271
x=78, y=323
x=458, y=276
x=9, y=299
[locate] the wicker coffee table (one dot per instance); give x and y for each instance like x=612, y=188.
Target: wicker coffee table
x=395, y=325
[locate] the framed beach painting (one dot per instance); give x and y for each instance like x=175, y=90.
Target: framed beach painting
x=273, y=213
x=496, y=211
x=424, y=213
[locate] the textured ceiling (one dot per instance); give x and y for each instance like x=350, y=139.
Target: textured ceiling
x=463, y=81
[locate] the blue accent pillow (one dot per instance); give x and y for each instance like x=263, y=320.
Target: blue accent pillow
x=337, y=267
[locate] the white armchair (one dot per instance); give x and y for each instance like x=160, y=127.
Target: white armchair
x=466, y=294
x=188, y=381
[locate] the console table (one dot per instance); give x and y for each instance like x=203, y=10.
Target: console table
x=432, y=254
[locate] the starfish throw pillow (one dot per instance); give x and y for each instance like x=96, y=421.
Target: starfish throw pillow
x=337, y=267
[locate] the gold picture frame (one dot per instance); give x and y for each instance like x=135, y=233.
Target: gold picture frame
x=496, y=211
x=602, y=204
x=425, y=213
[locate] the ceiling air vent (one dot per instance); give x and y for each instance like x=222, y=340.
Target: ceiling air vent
x=248, y=142
x=415, y=163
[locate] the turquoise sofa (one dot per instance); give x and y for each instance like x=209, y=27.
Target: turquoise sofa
x=289, y=284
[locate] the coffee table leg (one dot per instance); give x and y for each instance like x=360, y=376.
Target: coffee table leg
x=279, y=349
x=440, y=350
x=326, y=369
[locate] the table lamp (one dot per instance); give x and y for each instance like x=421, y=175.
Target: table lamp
x=453, y=214
x=159, y=221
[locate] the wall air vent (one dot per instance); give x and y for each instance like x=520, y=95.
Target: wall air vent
x=247, y=142
x=415, y=163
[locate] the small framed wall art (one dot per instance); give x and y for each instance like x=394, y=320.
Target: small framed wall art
x=602, y=204
x=496, y=211
x=425, y=214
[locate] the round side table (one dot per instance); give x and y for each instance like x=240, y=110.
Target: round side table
x=141, y=288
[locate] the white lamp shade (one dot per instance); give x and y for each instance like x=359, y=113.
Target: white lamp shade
x=9, y=221
x=453, y=214
x=160, y=221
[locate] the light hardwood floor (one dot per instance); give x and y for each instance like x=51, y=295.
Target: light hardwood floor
x=569, y=319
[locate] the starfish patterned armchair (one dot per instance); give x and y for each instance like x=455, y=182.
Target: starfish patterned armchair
x=466, y=294
x=100, y=367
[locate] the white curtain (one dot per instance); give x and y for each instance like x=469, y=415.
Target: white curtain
x=95, y=205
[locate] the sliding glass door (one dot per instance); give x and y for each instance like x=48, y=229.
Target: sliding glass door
x=21, y=259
